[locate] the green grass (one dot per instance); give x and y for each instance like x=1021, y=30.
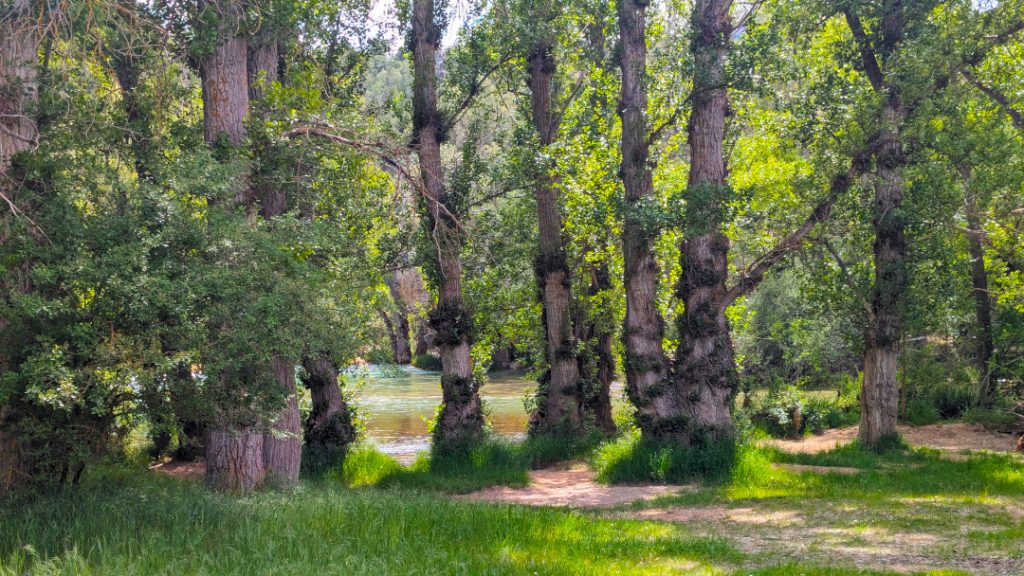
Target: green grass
x=630, y=459
x=495, y=462
x=374, y=516
x=128, y=521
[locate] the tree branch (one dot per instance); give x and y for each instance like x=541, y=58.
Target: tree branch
x=998, y=97
x=867, y=54
x=754, y=274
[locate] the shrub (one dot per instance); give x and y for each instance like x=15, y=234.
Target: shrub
x=921, y=411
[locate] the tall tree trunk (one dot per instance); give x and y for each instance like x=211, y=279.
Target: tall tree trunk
x=879, y=396
x=329, y=428
x=19, y=93
x=461, y=419
x=705, y=370
x=234, y=454
x=880, y=391
x=979, y=289
x=645, y=362
x=560, y=401
x=400, y=347
x=282, y=444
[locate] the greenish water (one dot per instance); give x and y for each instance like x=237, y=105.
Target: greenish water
x=397, y=403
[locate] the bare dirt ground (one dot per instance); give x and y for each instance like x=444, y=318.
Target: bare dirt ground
x=571, y=485
x=181, y=470
x=930, y=533
x=950, y=437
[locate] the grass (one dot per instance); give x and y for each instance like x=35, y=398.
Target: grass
x=128, y=521
x=495, y=462
x=630, y=459
x=375, y=516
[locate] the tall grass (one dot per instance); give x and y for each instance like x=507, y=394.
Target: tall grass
x=139, y=524
x=495, y=462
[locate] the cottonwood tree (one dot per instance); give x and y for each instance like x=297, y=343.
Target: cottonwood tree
x=461, y=418
x=19, y=90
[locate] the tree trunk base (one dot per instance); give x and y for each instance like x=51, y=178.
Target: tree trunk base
x=234, y=461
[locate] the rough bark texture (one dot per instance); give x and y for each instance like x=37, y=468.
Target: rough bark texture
x=880, y=389
x=705, y=370
x=329, y=428
x=234, y=460
x=979, y=290
x=401, y=351
x=559, y=399
x=234, y=456
x=645, y=362
x=19, y=86
x=225, y=92
x=282, y=445
x=461, y=419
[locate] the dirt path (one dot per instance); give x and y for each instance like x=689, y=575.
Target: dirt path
x=950, y=437
x=572, y=485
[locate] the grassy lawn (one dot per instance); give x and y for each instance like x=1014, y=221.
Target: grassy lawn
x=762, y=520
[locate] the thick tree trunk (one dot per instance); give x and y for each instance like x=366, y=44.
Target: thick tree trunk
x=400, y=347
x=559, y=401
x=645, y=363
x=880, y=391
x=985, y=345
x=329, y=428
x=705, y=370
x=461, y=419
x=19, y=92
x=234, y=455
x=879, y=396
x=282, y=445
x=234, y=460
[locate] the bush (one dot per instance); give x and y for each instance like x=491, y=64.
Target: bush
x=1005, y=420
x=921, y=411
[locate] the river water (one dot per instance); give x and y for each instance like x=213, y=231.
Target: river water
x=396, y=404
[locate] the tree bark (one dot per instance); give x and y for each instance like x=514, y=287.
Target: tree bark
x=645, y=363
x=461, y=419
x=282, y=444
x=234, y=455
x=985, y=345
x=234, y=460
x=329, y=428
x=19, y=93
x=705, y=369
x=560, y=400
x=880, y=388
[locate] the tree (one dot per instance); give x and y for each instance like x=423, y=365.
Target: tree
x=19, y=48
x=461, y=418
